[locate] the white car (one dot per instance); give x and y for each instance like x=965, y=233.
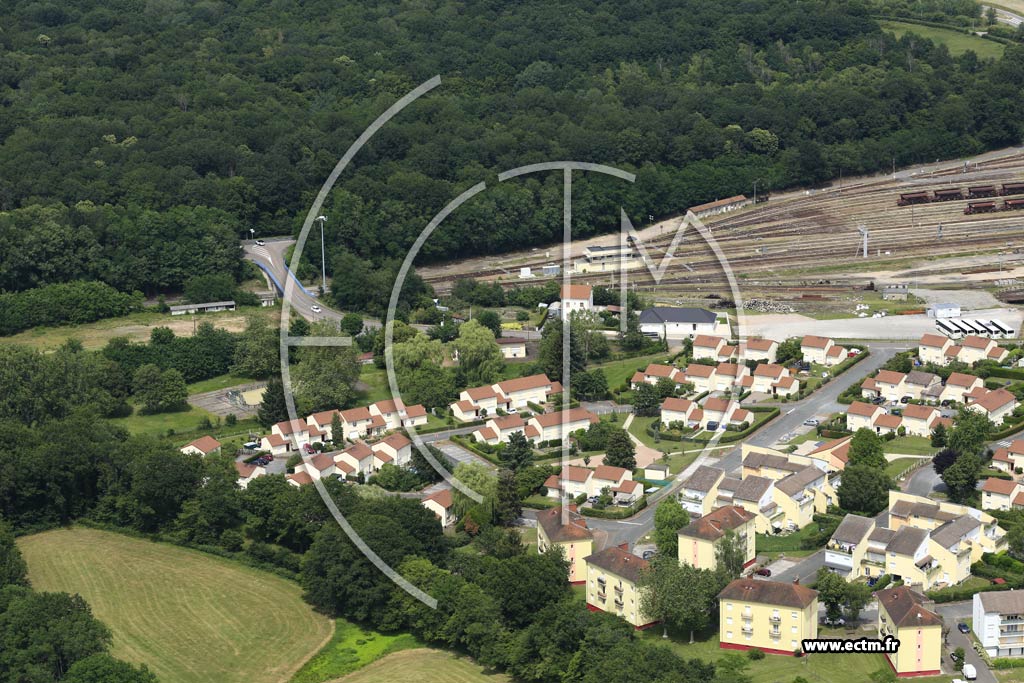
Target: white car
x=260, y=243
x=315, y=308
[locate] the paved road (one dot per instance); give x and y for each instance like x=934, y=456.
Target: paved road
x=1005, y=16
x=270, y=257
x=956, y=639
x=924, y=481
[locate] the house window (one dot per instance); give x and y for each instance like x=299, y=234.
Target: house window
x=793, y=630
x=728, y=634
x=728, y=621
x=793, y=614
x=728, y=606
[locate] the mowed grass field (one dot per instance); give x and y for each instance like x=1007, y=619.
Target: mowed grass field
x=190, y=617
x=423, y=666
x=957, y=42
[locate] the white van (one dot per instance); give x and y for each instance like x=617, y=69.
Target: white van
x=970, y=673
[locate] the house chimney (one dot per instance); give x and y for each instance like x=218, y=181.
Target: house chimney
x=796, y=581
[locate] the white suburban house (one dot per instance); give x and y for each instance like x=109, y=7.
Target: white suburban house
x=712, y=348
x=247, y=472
x=574, y=481
x=479, y=402
x=959, y=385
x=1000, y=494
x=275, y=444
x=204, y=445
x=763, y=350
x=731, y=377
x=674, y=324
x=394, y=448
x=862, y=415
x=821, y=350
x=974, y=349
x=1011, y=458
x=724, y=412
x=576, y=298
x=699, y=492
x=655, y=372
x=512, y=347
x=298, y=432
x=995, y=403
x=558, y=426
x=500, y=429
x=440, y=503
x=680, y=410
x=770, y=378
x=933, y=349
x=702, y=377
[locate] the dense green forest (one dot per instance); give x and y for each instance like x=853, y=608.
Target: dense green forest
x=140, y=139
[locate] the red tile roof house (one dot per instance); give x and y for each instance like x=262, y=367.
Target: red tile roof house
x=654, y=372
x=920, y=420
x=708, y=346
x=702, y=377
x=932, y=349
x=759, y=350
x=1010, y=459
x=723, y=411
x=275, y=444
x=204, y=445
x=358, y=457
x=397, y=414
x=508, y=395
x=821, y=350
x=576, y=298
x=974, y=349
x=958, y=384
x=395, y=449
x=500, y=429
x=247, y=472
x=558, y=426
x=360, y=423
x=862, y=415
x=298, y=432
x=996, y=404
x=730, y=376
x=769, y=378
x=571, y=482
x=680, y=410
x=440, y=503
x=323, y=421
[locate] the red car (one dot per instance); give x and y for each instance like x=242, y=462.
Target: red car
x=309, y=449
x=764, y=571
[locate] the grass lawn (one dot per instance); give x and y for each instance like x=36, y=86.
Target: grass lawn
x=425, y=666
x=785, y=543
x=376, y=381
x=218, y=382
x=780, y=668
x=898, y=465
x=352, y=648
x=187, y=615
x=182, y=422
x=620, y=371
x=911, y=445
x=957, y=42
x=137, y=327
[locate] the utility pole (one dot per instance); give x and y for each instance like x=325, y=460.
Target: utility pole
x=323, y=257
x=755, y=192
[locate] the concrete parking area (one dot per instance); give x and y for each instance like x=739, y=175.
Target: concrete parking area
x=231, y=400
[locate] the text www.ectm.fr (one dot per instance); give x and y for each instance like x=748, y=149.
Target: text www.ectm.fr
x=840, y=646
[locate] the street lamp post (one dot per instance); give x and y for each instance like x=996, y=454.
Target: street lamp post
x=252, y=233
x=323, y=258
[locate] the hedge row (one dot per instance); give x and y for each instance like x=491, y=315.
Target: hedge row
x=1008, y=373
x=469, y=445
x=736, y=436
x=616, y=512
x=955, y=594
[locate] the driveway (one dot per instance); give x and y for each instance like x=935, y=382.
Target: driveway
x=923, y=481
x=805, y=570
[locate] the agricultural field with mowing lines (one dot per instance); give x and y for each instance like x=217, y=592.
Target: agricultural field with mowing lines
x=190, y=617
x=424, y=666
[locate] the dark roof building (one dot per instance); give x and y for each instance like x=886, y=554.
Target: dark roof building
x=673, y=314
x=769, y=593
x=619, y=562
x=907, y=607
x=713, y=525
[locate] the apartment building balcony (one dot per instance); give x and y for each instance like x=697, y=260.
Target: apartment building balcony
x=876, y=559
x=775, y=618
x=842, y=548
x=775, y=634
x=601, y=581
x=618, y=603
x=747, y=628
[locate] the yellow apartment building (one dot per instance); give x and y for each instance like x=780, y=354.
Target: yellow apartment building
x=904, y=614
x=612, y=578
x=573, y=538
x=699, y=540
x=769, y=615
